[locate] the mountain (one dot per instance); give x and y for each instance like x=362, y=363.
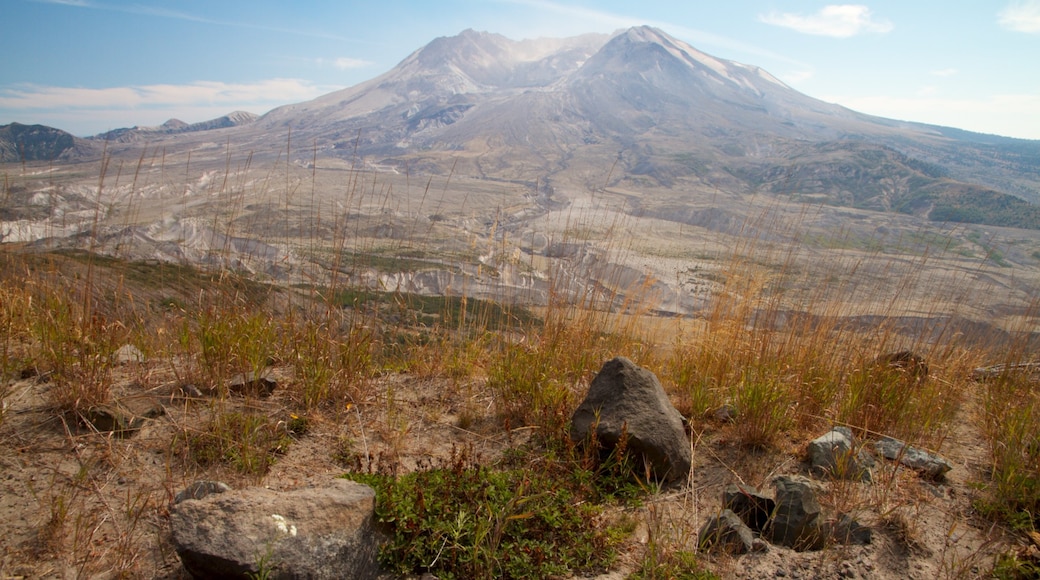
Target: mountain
x=661, y=114
x=175, y=126
x=33, y=143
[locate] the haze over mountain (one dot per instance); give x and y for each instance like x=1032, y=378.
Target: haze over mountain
x=528, y=110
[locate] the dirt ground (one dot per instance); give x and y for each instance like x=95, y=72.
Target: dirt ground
x=78, y=503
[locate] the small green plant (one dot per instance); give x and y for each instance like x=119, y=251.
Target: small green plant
x=764, y=405
x=250, y=443
x=465, y=520
x=230, y=338
x=76, y=347
x=1012, y=428
x=1012, y=566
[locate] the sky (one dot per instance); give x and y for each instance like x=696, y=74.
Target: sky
x=88, y=66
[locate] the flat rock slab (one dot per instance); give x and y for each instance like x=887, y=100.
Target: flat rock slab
x=928, y=464
x=319, y=532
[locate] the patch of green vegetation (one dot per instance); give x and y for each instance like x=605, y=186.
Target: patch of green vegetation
x=696, y=164
x=846, y=241
x=444, y=311
x=985, y=207
x=679, y=565
x=467, y=520
x=160, y=274
x=248, y=442
x=1011, y=566
x=992, y=253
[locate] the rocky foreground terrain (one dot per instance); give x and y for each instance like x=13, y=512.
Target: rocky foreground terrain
x=442, y=258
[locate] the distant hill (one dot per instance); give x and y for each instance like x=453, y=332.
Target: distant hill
x=33, y=143
x=175, y=126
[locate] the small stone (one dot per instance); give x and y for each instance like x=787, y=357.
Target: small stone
x=833, y=454
x=201, y=489
x=726, y=413
x=127, y=354
x=726, y=533
x=849, y=531
x=795, y=523
x=252, y=385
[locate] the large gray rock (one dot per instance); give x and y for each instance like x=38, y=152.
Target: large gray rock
x=318, y=532
x=626, y=398
x=796, y=520
x=833, y=454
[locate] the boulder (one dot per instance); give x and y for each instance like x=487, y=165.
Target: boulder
x=833, y=454
x=930, y=465
x=322, y=531
x=627, y=400
x=726, y=533
x=796, y=519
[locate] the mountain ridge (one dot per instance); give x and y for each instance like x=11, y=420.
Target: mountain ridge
x=175, y=126
x=643, y=109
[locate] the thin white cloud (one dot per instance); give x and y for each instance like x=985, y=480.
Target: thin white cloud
x=798, y=76
x=835, y=20
x=1021, y=16
x=78, y=3
x=1011, y=115
x=944, y=72
x=85, y=111
x=585, y=19
x=240, y=95
x=346, y=63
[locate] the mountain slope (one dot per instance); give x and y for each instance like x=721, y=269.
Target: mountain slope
x=175, y=126
x=33, y=143
x=643, y=110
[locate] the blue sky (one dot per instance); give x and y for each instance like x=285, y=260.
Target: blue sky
x=87, y=66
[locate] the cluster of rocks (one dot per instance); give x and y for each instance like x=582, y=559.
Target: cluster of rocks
x=627, y=403
x=126, y=416
x=835, y=454
x=750, y=520
x=326, y=530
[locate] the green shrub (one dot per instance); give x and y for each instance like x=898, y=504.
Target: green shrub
x=466, y=520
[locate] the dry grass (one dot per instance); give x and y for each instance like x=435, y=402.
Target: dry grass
x=786, y=360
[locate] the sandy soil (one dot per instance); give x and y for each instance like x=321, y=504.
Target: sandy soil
x=76, y=503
